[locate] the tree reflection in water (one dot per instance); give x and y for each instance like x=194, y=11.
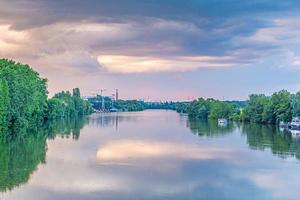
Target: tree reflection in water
x=20, y=156
x=263, y=137
x=259, y=137
x=209, y=128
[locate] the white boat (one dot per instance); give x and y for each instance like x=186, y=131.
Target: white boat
x=113, y=110
x=295, y=124
x=222, y=122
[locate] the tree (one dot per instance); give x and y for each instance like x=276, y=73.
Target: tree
x=213, y=109
x=64, y=105
x=219, y=109
x=4, y=105
x=282, y=106
x=268, y=115
x=254, y=109
x=27, y=94
x=295, y=103
x=182, y=107
x=199, y=109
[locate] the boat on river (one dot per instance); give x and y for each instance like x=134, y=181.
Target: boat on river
x=295, y=124
x=222, y=122
x=113, y=110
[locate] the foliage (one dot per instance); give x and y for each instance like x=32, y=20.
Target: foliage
x=269, y=109
x=161, y=105
x=182, y=107
x=65, y=104
x=259, y=108
x=4, y=105
x=23, y=95
x=23, y=100
x=213, y=109
x=120, y=105
x=254, y=109
x=281, y=102
x=199, y=109
x=129, y=105
x=295, y=103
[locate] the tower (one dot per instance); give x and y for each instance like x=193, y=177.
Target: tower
x=117, y=94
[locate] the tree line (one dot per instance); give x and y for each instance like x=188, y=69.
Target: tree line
x=128, y=105
x=24, y=99
x=259, y=108
x=65, y=104
x=210, y=109
x=120, y=105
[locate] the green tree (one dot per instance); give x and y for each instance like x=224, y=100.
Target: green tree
x=254, y=109
x=199, y=109
x=27, y=93
x=64, y=105
x=268, y=115
x=4, y=105
x=295, y=103
x=282, y=106
x=219, y=109
x=24, y=104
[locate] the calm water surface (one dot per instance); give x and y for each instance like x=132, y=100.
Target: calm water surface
x=150, y=155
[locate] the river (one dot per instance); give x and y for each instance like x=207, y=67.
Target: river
x=154, y=154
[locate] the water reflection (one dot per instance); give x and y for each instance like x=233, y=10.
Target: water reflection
x=125, y=150
x=153, y=155
x=261, y=137
x=209, y=128
x=112, y=119
x=19, y=159
x=20, y=156
x=65, y=128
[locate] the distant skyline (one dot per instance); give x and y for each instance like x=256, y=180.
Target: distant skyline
x=157, y=50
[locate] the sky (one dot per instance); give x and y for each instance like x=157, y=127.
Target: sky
x=154, y=49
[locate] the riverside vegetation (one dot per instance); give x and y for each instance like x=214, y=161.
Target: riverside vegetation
x=129, y=105
x=259, y=108
x=24, y=103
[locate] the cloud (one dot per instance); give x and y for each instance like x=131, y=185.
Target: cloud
x=131, y=64
x=151, y=36
x=11, y=40
x=278, y=181
x=136, y=149
x=148, y=36
x=45, y=12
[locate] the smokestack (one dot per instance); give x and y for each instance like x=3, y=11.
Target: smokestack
x=117, y=94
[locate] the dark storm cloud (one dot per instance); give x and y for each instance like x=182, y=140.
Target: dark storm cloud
x=218, y=20
x=203, y=13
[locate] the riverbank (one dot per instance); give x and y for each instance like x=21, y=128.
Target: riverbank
x=24, y=100
x=259, y=108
